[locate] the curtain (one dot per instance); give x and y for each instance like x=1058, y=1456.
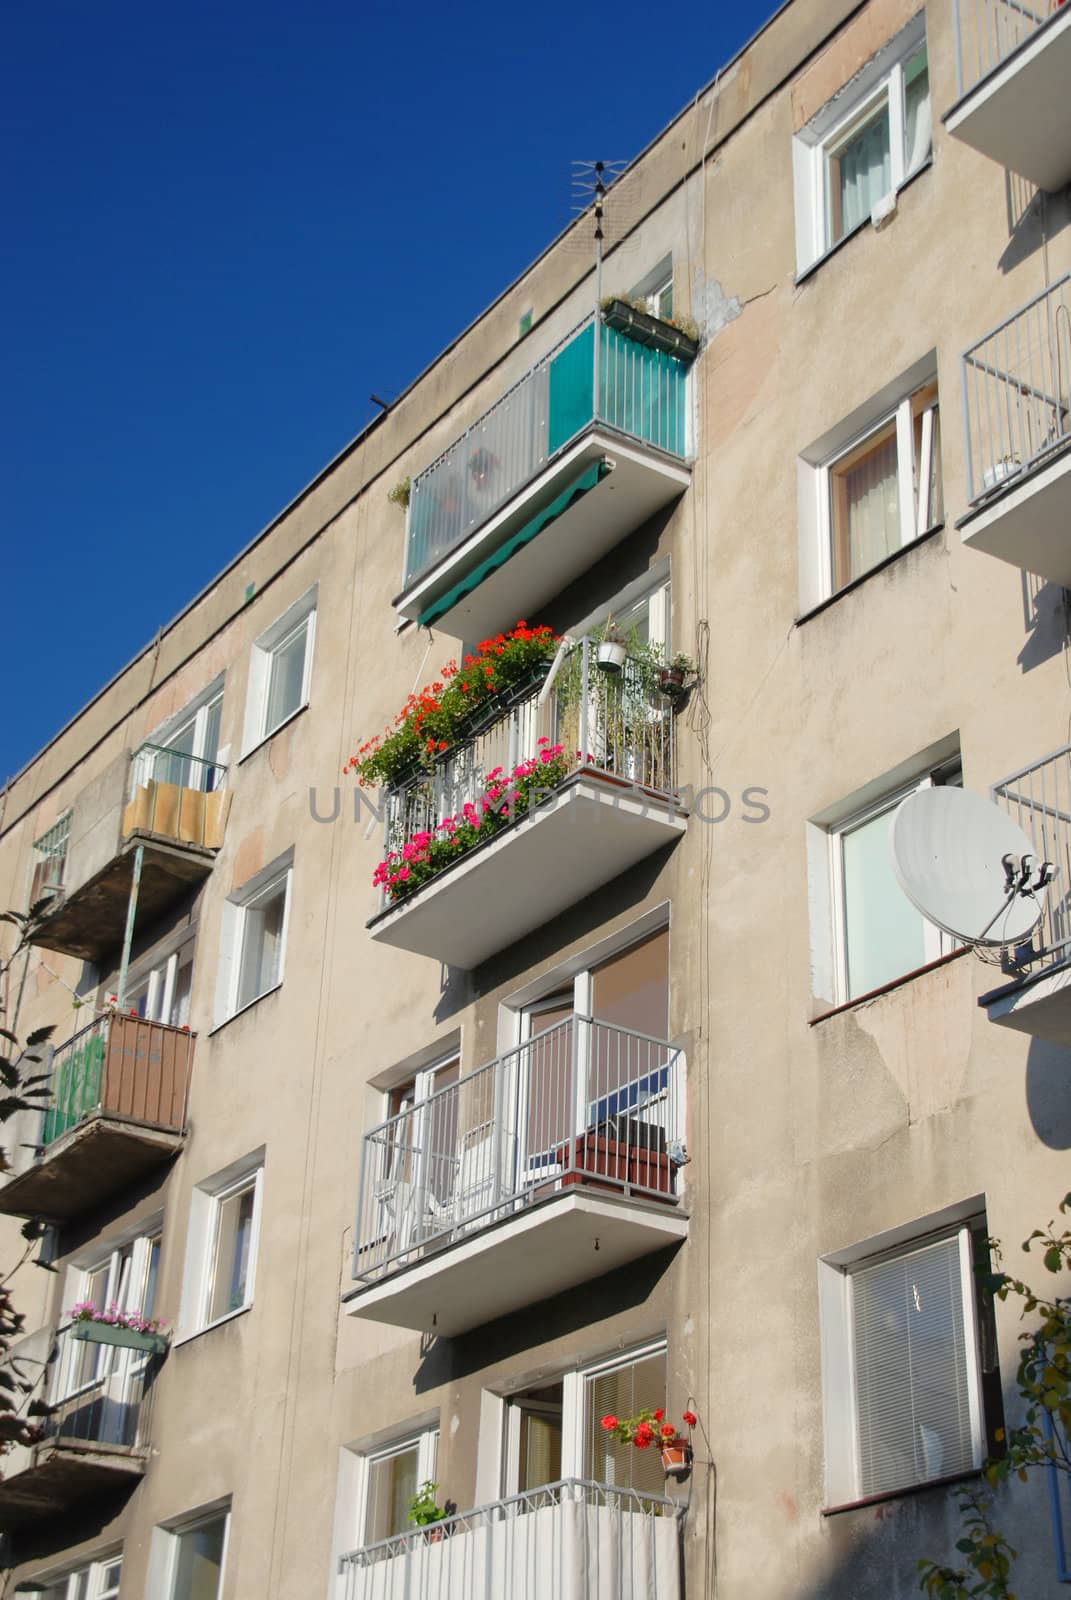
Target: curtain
x=862, y=173
x=866, y=509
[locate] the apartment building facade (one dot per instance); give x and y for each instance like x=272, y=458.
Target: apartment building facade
x=655, y=1092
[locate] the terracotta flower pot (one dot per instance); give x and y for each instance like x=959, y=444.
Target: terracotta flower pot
x=677, y=1458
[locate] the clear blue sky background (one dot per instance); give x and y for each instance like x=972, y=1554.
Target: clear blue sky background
x=226, y=225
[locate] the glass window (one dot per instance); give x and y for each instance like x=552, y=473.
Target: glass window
x=286, y=677
x=859, y=173
x=198, y=1560
x=229, y=1275
x=279, y=671
x=622, y=1391
x=262, y=942
x=392, y=1477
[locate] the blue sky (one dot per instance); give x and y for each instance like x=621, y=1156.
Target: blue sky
x=226, y=226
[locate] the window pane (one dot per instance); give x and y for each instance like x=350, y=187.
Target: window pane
x=109, y=1580
x=210, y=746
x=865, y=506
x=285, y=678
x=200, y=1562
x=621, y=1393
x=540, y=1449
x=148, y=1299
x=911, y=1369
x=884, y=934
x=179, y=1014
x=89, y=1358
x=230, y=1267
x=392, y=1483
x=860, y=174
x=261, y=946
x=917, y=124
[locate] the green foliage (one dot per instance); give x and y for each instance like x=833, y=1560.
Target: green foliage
x=423, y=1508
x=1044, y=1382
x=399, y=495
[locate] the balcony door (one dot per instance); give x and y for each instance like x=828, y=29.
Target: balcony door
x=533, y=1443
x=420, y=1157
x=161, y=993
x=98, y=1386
x=184, y=752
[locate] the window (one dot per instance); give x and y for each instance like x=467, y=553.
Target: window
x=50, y=860
x=392, y=1477
x=253, y=939
x=657, y=290
x=280, y=671
x=221, y=1251
x=97, y=1581
x=878, y=934
x=187, y=1558
x=863, y=145
x=871, y=486
x=184, y=751
x=908, y=1358
x=622, y=1389
x=125, y=1276
x=162, y=992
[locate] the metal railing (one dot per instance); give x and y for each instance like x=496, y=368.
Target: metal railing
x=50, y=860
x=175, y=794
x=615, y=723
x=583, y=1102
x=124, y=1065
x=1038, y=798
x=989, y=31
x=1017, y=392
x=574, y=1539
x=642, y=393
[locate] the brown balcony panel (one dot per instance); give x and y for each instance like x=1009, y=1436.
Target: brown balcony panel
x=64, y=1474
x=90, y=920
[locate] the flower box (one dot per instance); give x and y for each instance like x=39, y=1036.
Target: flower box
x=607, y=1163
x=114, y=1333
x=650, y=331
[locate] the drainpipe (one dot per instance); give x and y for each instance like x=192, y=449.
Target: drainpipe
x=128, y=936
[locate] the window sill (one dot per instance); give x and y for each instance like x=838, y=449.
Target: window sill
x=266, y=738
x=887, y=988
x=243, y=1009
x=897, y=1494
x=850, y=588
x=209, y=1327
x=820, y=261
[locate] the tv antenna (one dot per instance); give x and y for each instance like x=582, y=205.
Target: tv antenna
x=969, y=868
x=591, y=180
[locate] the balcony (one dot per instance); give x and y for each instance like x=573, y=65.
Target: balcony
x=145, y=833
x=1017, y=399
x=96, y=1440
x=608, y=803
x=549, y=1166
x=546, y=482
x=575, y=1540
x=116, y=1109
x=1037, y=1000
x=1013, y=65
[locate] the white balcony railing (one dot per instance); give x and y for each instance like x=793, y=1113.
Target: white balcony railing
x=1038, y=798
x=571, y=1540
x=614, y=723
x=583, y=1102
x=1017, y=392
x=988, y=33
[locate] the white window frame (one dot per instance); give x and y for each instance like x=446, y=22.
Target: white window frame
x=159, y=979
x=126, y=1289
x=935, y=943
x=164, y=1549
x=301, y=615
x=205, y=1203
x=195, y=715
x=839, y=1388
x=880, y=82
x=817, y=464
x=235, y=929
x=426, y=1441
x=95, y=1569
x=653, y=286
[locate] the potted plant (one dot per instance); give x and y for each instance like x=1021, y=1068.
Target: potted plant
x=999, y=470
x=629, y=315
x=128, y=1329
x=646, y=1428
x=673, y=677
x=612, y=650
x=424, y=1511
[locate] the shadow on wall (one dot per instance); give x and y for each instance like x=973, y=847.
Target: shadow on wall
x=1048, y=1093
x=59, y=1535
x=446, y=1360
x=1033, y=219
x=1046, y=620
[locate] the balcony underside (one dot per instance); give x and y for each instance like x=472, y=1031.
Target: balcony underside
x=541, y=1251
x=591, y=521
x=91, y=920
x=1020, y=114
x=1039, y=1006
x=84, y=1166
x=593, y=828
x=1027, y=525
x=64, y=1475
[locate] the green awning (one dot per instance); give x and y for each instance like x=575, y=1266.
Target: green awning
x=573, y=491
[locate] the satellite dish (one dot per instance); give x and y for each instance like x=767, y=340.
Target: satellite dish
x=967, y=866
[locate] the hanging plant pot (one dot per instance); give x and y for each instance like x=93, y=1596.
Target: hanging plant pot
x=127, y=1338
x=671, y=681
x=677, y=1459
x=612, y=655
x=648, y=330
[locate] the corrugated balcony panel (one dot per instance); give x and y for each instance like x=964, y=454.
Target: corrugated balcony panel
x=546, y=482
x=1013, y=65
x=169, y=805
x=1017, y=401
x=1037, y=1001
x=116, y=1109
x=574, y=1540
x=551, y=1165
